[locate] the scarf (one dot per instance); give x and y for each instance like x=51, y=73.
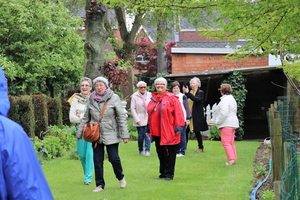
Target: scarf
x=191, y=103
x=81, y=98
x=143, y=97
x=98, y=97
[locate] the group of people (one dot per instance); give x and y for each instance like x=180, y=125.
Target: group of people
x=163, y=117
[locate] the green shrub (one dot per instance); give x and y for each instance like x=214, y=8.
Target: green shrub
x=65, y=111
x=55, y=143
x=261, y=169
x=52, y=147
x=65, y=134
x=41, y=114
x=22, y=112
x=132, y=129
x=55, y=112
x=38, y=147
x=214, y=133
x=268, y=195
x=134, y=135
x=14, y=109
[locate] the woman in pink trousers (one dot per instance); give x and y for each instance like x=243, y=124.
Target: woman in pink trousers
x=227, y=122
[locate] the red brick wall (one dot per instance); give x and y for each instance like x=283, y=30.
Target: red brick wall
x=186, y=63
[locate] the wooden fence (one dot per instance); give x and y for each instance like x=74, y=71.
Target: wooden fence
x=284, y=144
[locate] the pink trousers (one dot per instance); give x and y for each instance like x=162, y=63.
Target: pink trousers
x=227, y=139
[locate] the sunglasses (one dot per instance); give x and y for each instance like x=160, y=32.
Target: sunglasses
x=85, y=85
x=142, y=87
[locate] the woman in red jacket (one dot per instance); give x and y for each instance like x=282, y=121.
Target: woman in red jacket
x=166, y=122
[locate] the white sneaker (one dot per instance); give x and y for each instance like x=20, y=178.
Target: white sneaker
x=142, y=153
x=98, y=189
x=147, y=153
x=179, y=155
x=122, y=183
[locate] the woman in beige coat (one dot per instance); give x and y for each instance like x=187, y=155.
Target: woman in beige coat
x=84, y=149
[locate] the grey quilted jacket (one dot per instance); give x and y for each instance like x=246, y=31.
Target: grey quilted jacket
x=113, y=125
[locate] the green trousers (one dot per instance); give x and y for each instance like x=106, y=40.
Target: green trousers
x=85, y=152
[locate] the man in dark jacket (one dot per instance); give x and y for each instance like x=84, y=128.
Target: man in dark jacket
x=21, y=176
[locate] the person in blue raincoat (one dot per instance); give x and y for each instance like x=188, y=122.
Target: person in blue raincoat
x=21, y=176
x=78, y=106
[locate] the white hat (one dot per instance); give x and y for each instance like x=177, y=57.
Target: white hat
x=101, y=79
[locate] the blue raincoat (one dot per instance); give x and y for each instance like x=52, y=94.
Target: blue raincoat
x=21, y=176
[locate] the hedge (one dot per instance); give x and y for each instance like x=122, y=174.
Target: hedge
x=22, y=112
x=41, y=114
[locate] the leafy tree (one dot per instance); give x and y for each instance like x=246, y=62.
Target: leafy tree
x=126, y=48
x=117, y=75
x=269, y=27
x=99, y=27
x=149, y=51
x=99, y=15
x=40, y=49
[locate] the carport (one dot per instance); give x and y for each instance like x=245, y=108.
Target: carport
x=263, y=85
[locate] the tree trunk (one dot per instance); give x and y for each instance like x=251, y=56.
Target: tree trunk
x=161, y=49
x=128, y=50
x=96, y=37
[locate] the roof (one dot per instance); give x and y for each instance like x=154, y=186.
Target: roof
x=214, y=44
x=208, y=73
x=215, y=47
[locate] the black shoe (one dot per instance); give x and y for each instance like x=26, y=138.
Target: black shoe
x=159, y=177
x=168, y=179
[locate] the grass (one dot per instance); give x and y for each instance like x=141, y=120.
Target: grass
x=197, y=175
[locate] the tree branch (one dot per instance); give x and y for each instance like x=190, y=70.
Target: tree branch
x=120, y=15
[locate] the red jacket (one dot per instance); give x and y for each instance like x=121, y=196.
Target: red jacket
x=165, y=117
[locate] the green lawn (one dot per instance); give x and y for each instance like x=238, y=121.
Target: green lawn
x=199, y=176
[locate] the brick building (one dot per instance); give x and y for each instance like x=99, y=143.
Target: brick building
x=197, y=56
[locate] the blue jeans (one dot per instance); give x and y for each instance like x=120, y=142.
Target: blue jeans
x=182, y=145
x=141, y=137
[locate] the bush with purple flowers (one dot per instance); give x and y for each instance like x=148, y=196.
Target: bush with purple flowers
x=56, y=142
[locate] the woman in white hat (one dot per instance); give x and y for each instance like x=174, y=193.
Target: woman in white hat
x=113, y=128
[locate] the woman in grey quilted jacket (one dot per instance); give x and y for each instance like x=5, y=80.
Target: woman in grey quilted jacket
x=113, y=129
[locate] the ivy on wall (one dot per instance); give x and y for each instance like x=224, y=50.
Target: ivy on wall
x=237, y=82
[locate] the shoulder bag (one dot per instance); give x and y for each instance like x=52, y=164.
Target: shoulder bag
x=91, y=131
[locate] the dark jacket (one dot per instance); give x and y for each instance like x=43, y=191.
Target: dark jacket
x=199, y=121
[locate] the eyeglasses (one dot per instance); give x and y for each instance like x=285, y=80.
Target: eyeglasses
x=85, y=85
x=142, y=87
x=160, y=84
x=99, y=86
